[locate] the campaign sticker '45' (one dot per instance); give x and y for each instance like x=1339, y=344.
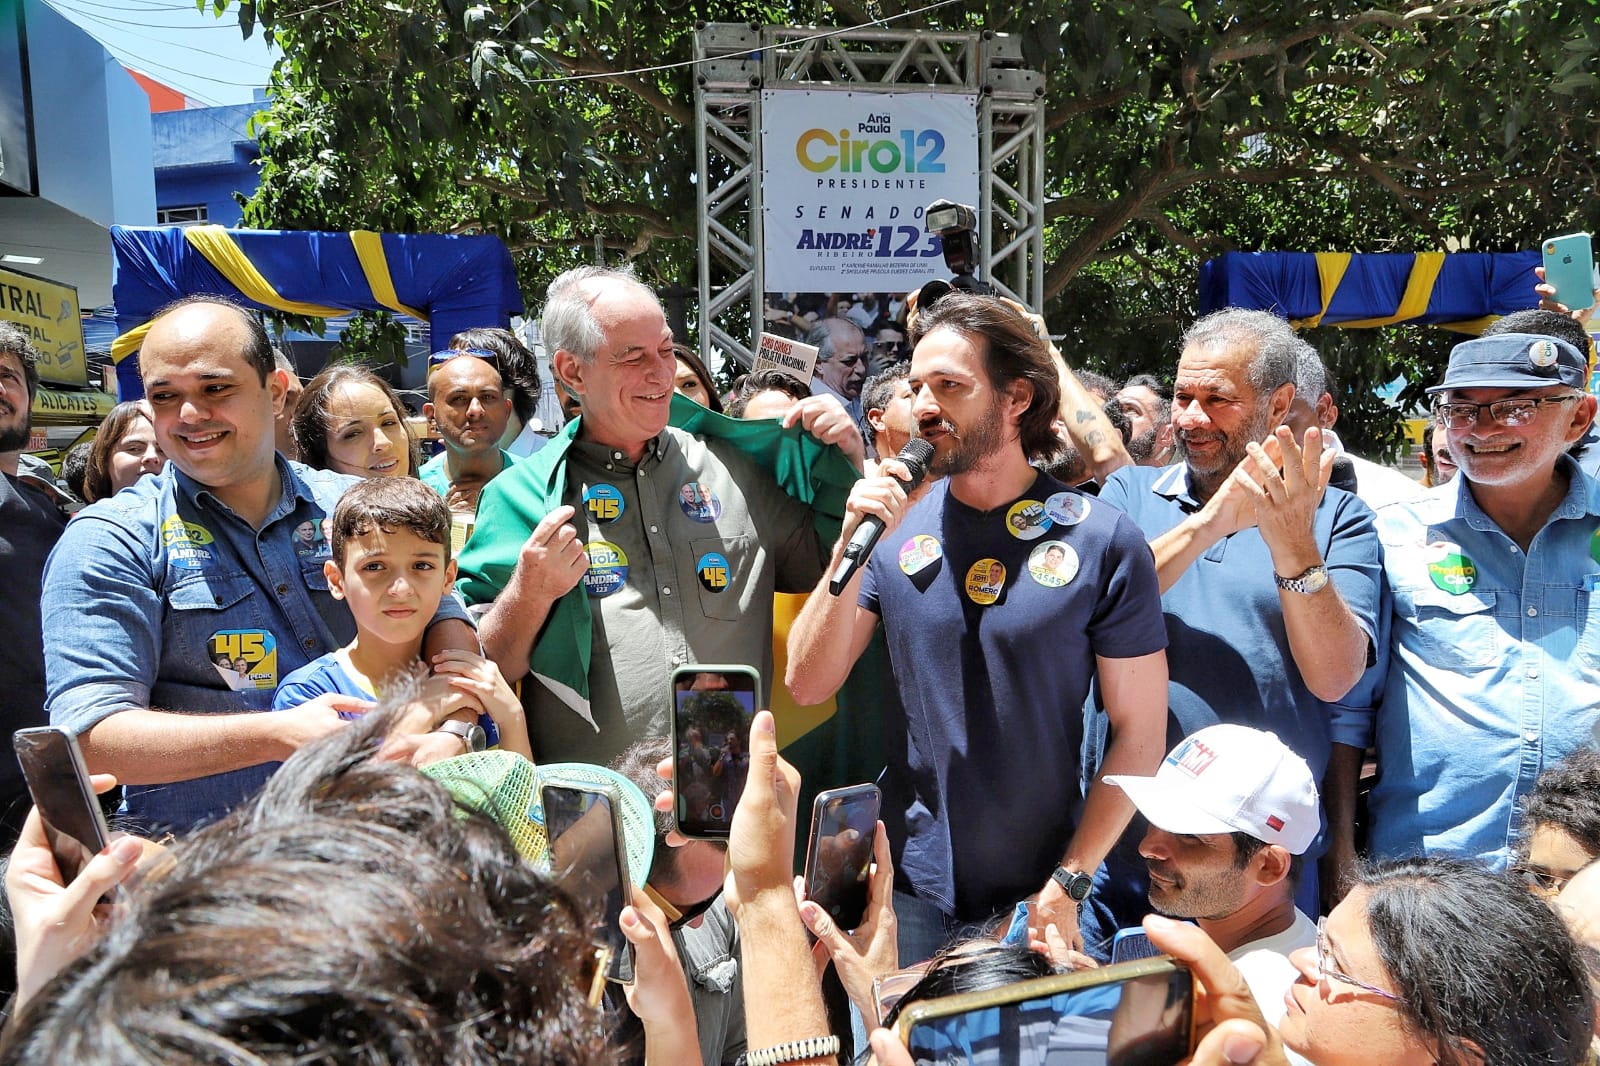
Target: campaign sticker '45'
x=713, y=571
x=1450, y=570
x=247, y=659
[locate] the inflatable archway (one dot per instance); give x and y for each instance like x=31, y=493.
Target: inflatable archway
x=1463, y=291
x=451, y=282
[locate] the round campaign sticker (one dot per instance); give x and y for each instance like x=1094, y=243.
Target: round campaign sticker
x=699, y=502
x=1543, y=354
x=608, y=568
x=985, y=579
x=1053, y=564
x=1594, y=545
x=1449, y=570
x=920, y=552
x=1026, y=520
x=1067, y=508
x=713, y=570
x=604, y=503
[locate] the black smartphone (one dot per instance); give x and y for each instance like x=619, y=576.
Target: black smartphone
x=59, y=783
x=588, y=857
x=1131, y=1013
x=712, y=708
x=839, y=854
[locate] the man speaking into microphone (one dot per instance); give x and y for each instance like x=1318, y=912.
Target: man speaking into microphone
x=1002, y=592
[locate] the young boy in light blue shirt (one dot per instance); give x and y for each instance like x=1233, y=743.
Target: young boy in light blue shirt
x=391, y=563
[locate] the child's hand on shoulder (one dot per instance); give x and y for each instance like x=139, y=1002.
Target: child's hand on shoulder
x=477, y=677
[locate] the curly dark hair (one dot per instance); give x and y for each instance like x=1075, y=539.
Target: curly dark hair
x=1567, y=797
x=350, y=913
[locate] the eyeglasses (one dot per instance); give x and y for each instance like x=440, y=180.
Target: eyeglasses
x=1515, y=412
x=1541, y=881
x=1326, y=970
x=440, y=357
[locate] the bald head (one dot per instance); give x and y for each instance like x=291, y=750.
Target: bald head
x=210, y=323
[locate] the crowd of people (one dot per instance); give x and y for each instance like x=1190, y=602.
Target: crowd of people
x=1134, y=654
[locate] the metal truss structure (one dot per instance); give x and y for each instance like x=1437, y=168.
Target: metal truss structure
x=736, y=61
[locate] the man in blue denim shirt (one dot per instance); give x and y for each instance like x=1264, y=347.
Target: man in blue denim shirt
x=1495, y=648
x=177, y=605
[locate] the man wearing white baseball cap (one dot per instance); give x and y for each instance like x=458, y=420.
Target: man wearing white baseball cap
x=1231, y=810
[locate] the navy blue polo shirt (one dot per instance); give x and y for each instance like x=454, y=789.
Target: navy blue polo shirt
x=1228, y=652
x=993, y=621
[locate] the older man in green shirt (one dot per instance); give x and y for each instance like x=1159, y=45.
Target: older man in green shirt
x=628, y=547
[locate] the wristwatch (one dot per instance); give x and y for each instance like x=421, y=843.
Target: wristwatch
x=1075, y=884
x=471, y=733
x=1311, y=581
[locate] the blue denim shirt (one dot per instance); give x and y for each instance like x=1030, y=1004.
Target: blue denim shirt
x=147, y=591
x=1494, y=669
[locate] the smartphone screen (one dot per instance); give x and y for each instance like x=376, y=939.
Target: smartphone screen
x=839, y=857
x=584, y=857
x=712, y=710
x=1134, y=1020
x=59, y=783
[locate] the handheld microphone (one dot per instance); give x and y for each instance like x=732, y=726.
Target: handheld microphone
x=915, y=456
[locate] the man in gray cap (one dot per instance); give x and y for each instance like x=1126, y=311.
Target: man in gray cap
x=1494, y=671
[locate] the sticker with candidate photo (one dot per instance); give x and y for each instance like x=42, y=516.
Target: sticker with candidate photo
x=1053, y=564
x=1026, y=520
x=919, y=553
x=604, y=503
x=1067, y=508
x=712, y=568
x=699, y=502
x=247, y=659
x=985, y=580
x=188, y=544
x=310, y=539
x=608, y=568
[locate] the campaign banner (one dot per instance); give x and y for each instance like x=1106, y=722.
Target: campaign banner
x=47, y=311
x=845, y=179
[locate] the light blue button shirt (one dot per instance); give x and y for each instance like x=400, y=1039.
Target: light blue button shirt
x=147, y=590
x=1494, y=671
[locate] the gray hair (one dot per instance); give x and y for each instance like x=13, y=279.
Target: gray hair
x=1310, y=375
x=285, y=364
x=569, y=321
x=824, y=336
x=1273, y=363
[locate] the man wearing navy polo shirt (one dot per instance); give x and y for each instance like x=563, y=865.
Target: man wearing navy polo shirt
x=1495, y=645
x=1270, y=582
x=1002, y=592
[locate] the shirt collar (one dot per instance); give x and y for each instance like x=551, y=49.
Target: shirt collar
x=1582, y=498
x=291, y=489
x=1173, y=483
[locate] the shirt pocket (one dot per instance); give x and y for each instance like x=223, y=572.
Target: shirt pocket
x=311, y=569
x=1458, y=632
x=203, y=605
x=722, y=569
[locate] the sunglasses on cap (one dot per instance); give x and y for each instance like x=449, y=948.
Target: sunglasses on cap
x=439, y=358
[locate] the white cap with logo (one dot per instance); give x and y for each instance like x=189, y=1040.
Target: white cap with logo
x=1230, y=778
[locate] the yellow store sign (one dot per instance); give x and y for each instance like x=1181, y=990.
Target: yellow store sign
x=48, y=313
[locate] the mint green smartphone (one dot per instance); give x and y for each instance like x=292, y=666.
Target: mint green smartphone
x=1569, y=269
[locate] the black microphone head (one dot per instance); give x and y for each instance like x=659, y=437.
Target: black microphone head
x=916, y=455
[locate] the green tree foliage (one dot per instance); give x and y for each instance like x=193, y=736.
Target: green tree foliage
x=1179, y=129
